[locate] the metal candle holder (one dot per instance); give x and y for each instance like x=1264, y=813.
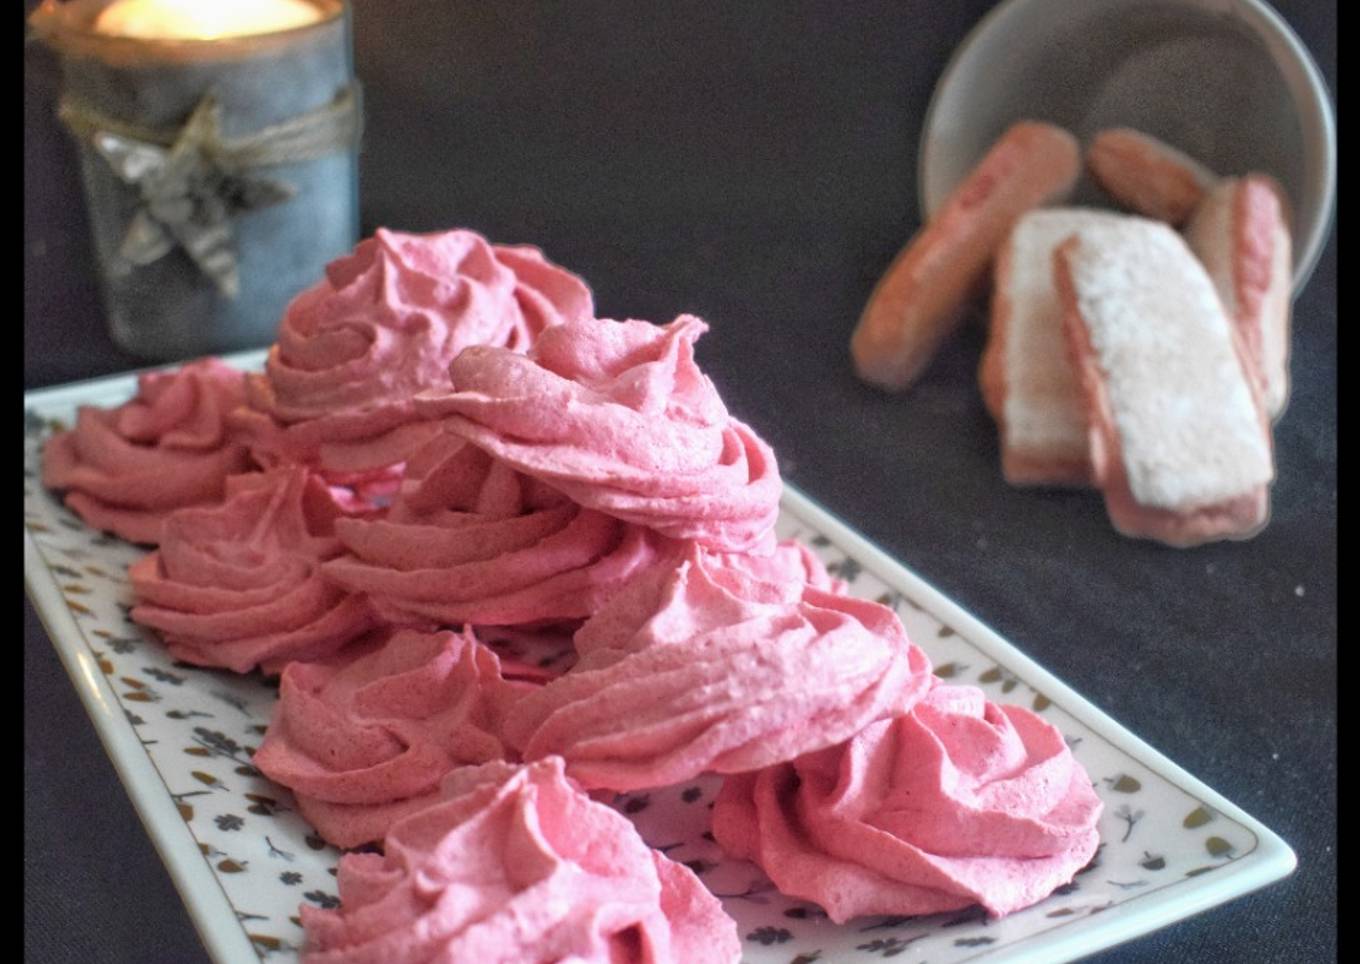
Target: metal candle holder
x=221, y=175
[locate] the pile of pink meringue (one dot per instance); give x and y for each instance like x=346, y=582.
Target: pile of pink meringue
x=447, y=450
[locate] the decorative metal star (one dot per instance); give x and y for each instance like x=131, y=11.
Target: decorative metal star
x=190, y=192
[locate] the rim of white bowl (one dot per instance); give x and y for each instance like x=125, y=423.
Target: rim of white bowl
x=1268, y=23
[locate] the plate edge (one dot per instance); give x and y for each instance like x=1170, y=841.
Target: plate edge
x=199, y=889
x=1270, y=861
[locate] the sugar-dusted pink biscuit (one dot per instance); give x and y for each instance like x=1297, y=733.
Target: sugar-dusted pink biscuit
x=471, y=540
x=955, y=803
x=706, y=667
x=1027, y=378
x=1148, y=176
x=1238, y=227
x=1240, y=232
x=238, y=585
x=125, y=469
x=383, y=325
x=515, y=864
x=920, y=299
x=1180, y=443
x=364, y=739
x=618, y=417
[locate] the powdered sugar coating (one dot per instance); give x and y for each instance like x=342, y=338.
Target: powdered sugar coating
x=1190, y=431
x=1044, y=408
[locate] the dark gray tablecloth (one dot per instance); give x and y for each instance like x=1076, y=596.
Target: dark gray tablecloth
x=754, y=163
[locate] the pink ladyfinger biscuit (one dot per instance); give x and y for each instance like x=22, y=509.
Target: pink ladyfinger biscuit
x=1148, y=176
x=1238, y=227
x=1027, y=379
x=920, y=299
x=1180, y=443
x=1240, y=232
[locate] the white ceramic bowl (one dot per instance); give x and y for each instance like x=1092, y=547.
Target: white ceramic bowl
x=1226, y=81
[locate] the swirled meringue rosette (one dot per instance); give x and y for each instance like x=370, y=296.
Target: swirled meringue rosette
x=775, y=573
x=617, y=415
x=384, y=324
x=959, y=802
x=238, y=585
x=517, y=864
x=470, y=540
x=708, y=668
x=364, y=738
x=125, y=469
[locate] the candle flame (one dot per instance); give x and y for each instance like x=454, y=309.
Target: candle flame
x=202, y=19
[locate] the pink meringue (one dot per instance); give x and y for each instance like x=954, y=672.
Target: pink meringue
x=617, y=416
x=959, y=802
x=787, y=563
x=238, y=585
x=516, y=864
x=471, y=540
x=383, y=325
x=125, y=469
x=707, y=668
x=363, y=739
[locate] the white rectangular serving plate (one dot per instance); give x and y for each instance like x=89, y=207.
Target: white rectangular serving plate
x=180, y=739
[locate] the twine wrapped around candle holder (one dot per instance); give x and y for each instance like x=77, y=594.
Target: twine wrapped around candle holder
x=221, y=175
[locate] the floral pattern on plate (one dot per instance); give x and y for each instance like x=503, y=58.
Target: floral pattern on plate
x=198, y=728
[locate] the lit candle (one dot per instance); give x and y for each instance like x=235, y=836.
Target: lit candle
x=202, y=19
x=218, y=147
